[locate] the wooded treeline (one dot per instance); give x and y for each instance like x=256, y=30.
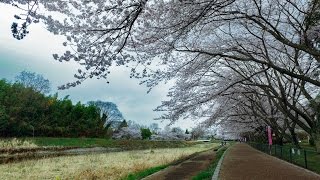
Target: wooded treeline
x=26, y=112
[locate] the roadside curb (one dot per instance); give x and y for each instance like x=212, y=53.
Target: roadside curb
x=217, y=170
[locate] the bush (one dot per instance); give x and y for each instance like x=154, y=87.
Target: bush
x=145, y=133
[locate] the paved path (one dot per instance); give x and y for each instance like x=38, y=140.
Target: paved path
x=243, y=162
x=185, y=170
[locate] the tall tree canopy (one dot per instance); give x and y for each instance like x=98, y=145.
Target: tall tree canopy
x=112, y=114
x=35, y=81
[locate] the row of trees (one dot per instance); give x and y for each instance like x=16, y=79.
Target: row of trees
x=132, y=130
x=256, y=65
x=25, y=111
x=242, y=64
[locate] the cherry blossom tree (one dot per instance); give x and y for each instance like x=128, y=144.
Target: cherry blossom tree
x=225, y=55
x=102, y=33
x=131, y=132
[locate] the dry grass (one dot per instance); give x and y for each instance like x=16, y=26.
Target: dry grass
x=95, y=166
x=16, y=143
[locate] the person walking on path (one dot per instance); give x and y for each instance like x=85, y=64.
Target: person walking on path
x=242, y=162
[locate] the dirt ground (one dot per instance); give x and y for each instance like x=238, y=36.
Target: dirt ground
x=186, y=169
x=242, y=162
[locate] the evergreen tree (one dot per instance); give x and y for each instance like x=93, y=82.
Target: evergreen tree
x=145, y=133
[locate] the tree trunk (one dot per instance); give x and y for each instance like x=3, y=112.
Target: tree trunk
x=316, y=140
x=280, y=141
x=294, y=138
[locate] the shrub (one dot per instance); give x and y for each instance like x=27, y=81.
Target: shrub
x=145, y=133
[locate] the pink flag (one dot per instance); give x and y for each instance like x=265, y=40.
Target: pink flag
x=269, y=135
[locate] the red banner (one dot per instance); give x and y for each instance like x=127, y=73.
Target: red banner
x=269, y=135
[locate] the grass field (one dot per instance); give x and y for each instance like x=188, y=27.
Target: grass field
x=90, y=142
x=97, y=166
x=76, y=142
x=16, y=143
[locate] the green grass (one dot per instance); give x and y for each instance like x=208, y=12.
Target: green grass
x=208, y=173
x=145, y=173
x=100, y=142
x=303, y=144
x=70, y=142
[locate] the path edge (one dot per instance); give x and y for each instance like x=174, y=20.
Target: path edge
x=217, y=170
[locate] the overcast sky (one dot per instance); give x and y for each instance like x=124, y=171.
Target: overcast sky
x=34, y=53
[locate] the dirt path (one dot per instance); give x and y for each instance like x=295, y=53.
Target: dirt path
x=185, y=170
x=242, y=162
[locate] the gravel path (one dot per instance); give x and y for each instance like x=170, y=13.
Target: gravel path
x=243, y=162
x=185, y=170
